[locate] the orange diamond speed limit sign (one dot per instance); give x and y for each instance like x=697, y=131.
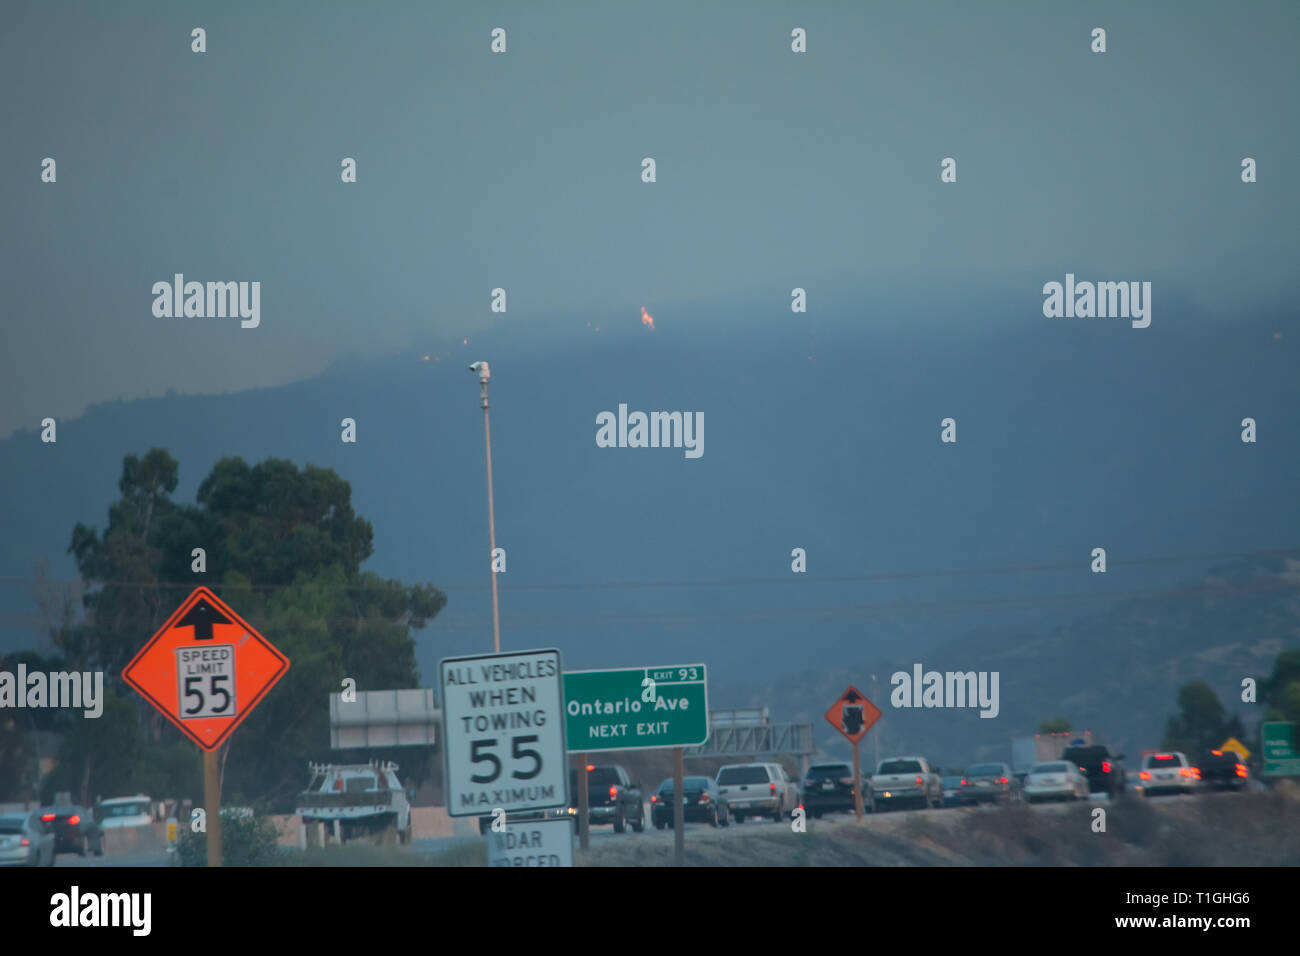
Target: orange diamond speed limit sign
x=206, y=669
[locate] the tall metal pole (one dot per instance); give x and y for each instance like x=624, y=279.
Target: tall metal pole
x=482, y=369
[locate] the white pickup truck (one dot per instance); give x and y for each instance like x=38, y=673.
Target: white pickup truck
x=357, y=800
x=904, y=780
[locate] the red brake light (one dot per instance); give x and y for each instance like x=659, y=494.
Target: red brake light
x=74, y=820
x=919, y=780
x=1105, y=766
x=590, y=767
x=1217, y=753
x=1145, y=775
x=26, y=842
x=1184, y=771
x=771, y=787
x=963, y=783
x=704, y=798
x=1002, y=780
x=613, y=792
x=47, y=817
x=1241, y=770
x=654, y=798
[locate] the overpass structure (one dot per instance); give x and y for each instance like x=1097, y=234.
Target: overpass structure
x=384, y=718
x=749, y=732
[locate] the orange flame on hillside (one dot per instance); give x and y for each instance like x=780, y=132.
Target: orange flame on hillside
x=647, y=319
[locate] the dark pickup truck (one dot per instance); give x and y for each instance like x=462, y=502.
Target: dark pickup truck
x=1105, y=773
x=612, y=797
x=1223, y=770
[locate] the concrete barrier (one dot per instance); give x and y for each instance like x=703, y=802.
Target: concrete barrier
x=146, y=839
x=426, y=823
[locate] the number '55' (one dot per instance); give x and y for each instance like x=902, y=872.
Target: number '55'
x=480, y=751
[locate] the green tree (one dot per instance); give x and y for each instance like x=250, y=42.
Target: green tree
x=284, y=547
x=1280, y=691
x=1055, y=725
x=1201, y=722
x=99, y=756
x=17, y=759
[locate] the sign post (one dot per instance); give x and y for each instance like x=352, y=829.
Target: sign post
x=584, y=801
x=212, y=806
x=679, y=808
x=205, y=670
x=852, y=715
x=503, y=733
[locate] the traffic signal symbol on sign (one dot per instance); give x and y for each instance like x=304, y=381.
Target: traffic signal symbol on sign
x=852, y=714
x=205, y=669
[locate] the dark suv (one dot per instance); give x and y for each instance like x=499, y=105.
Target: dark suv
x=828, y=786
x=1223, y=770
x=611, y=798
x=1105, y=772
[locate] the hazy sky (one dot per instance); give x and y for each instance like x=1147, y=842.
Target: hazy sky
x=522, y=170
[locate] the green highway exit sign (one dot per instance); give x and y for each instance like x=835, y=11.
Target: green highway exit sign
x=1280, y=756
x=636, y=708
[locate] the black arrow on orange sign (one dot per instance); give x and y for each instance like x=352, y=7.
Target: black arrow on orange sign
x=201, y=617
x=851, y=695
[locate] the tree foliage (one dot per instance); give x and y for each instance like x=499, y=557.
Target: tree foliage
x=1201, y=722
x=1280, y=692
x=1055, y=725
x=245, y=841
x=284, y=547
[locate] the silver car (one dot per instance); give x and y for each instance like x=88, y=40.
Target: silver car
x=989, y=783
x=25, y=840
x=1056, y=780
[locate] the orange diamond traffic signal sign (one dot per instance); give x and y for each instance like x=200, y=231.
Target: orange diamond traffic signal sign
x=852, y=714
x=205, y=669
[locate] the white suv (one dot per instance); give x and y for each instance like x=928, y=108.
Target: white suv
x=1167, y=772
x=757, y=790
x=118, y=812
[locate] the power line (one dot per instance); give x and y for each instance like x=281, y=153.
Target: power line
x=464, y=621
x=1033, y=568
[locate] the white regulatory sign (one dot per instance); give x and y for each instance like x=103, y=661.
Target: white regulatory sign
x=503, y=733
x=206, y=677
x=544, y=843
